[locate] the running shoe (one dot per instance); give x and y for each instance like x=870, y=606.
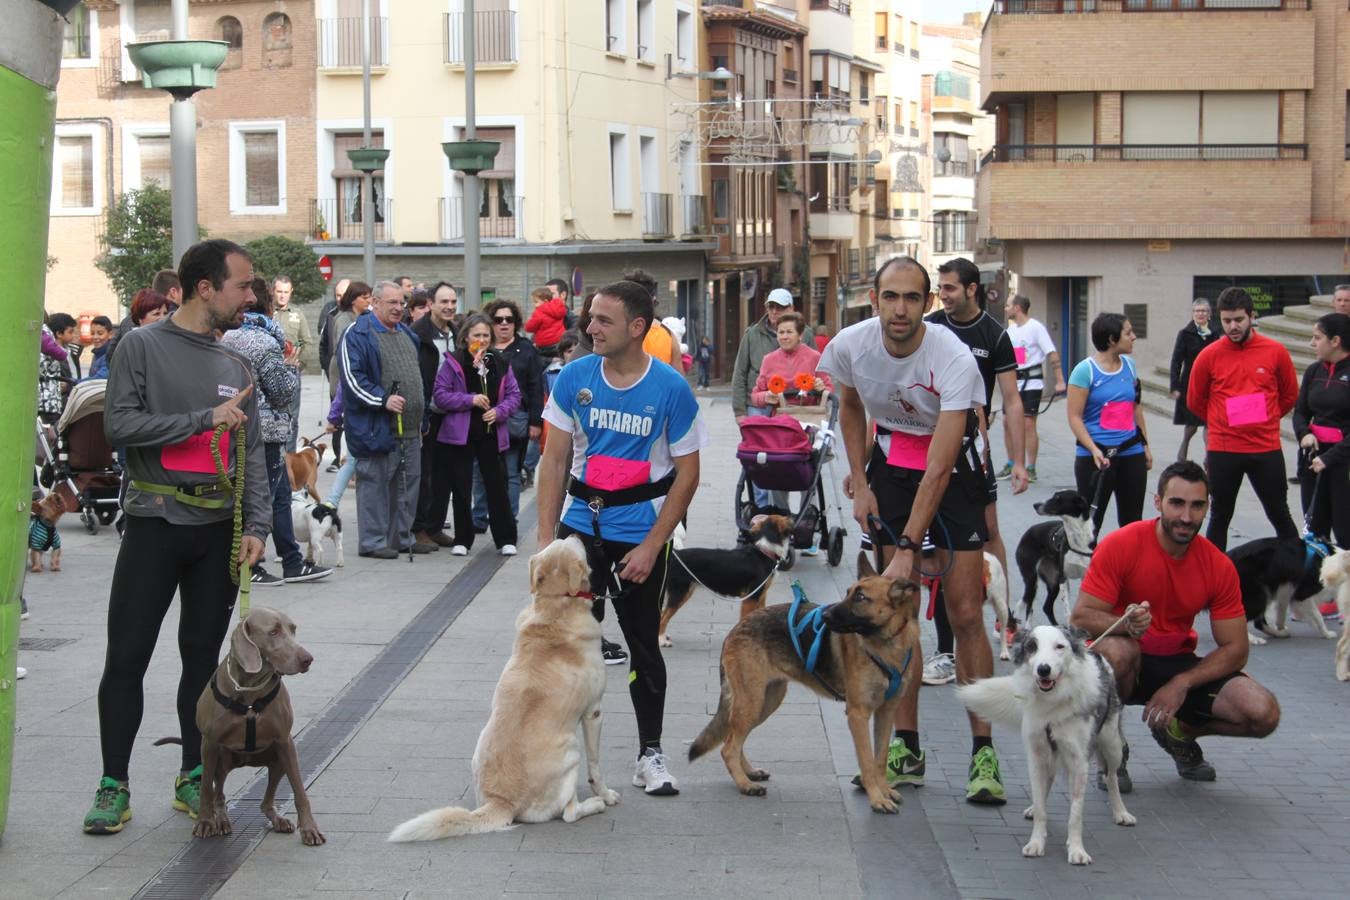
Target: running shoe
x=1185, y=752
x=263, y=578
x=939, y=669
x=459, y=550
x=187, y=792
x=1005, y=472
x=1330, y=611
x=1123, y=780
x=903, y=766
x=111, y=809
x=334, y=466
x=614, y=654
x=306, y=572
x=20, y=673
x=652, y=776
x=1031, y=474
x=506, y=550
x=985, y=784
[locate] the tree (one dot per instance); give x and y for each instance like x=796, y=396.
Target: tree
x=278, y=255
x=137, y=239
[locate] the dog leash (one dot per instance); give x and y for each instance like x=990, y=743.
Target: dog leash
x=239, y=571
x=767, y=578
x=937, y=517
x=1129, y=609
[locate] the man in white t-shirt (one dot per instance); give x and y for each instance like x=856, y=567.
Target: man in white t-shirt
x=919, y=384
x=1037, y=362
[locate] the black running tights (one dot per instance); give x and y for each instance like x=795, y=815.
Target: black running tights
x=155, y=560
x=1266, y=472
x=1126, y=478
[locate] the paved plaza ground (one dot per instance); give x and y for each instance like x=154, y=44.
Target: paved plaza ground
x=406, y=656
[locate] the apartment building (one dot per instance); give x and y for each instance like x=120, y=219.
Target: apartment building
x=255, y=138
x=961, y=134
x=590, y=177
x=1152, y=151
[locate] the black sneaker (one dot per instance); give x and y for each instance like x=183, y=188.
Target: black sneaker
x=307, y=572
x=614, y=654
x=333, y=467
x=1123, y=780
x=263, y=578
x=1190, y=760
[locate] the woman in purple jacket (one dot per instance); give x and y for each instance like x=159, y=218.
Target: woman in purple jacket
x=478, y=392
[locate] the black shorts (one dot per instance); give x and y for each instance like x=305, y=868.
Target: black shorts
x=1156, y=671
x=959, y=523
x=1031, y=401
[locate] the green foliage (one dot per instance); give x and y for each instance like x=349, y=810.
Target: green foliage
x=278, y=255
x=137, y=239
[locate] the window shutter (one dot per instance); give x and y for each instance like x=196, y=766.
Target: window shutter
x=504, y=166
x=261, y=179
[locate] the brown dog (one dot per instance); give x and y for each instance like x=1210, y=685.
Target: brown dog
x=872, y=636
x=42, y=533
x=245, y=718
x=303, y=467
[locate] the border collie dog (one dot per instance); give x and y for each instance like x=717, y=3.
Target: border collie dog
x=1055, y=552
x=1275, y=573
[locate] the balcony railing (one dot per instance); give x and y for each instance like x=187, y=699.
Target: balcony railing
x=340, y=220
x=693, y=214
x=495, y=220
x=1041, y=7
x=841, y=6
x=340, y=43
x=1141, y=152
x=656, y=216
x=494, y=37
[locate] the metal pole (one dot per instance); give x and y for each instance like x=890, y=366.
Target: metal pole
x=472, y=284
x=182, y=154
x=367, y=178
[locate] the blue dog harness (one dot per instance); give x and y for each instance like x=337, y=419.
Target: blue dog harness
x=1314, y=549
x=814, y=621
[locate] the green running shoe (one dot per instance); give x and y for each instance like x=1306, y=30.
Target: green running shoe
x=902, y=766
x=1185, y=752
x=985, y=785
x=1031, y=474
x=111, y=809
x=187, y=792
x=1005, y=472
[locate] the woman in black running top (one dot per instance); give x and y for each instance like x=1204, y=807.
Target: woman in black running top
x=1322, y=426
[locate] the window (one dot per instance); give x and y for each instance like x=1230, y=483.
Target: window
x=258, y=168
x=77, y=46
x=950, y=232
x=864, y=87
x=684, y=38
x=276, y=41
x=883, y=38
x=830, y=76
x=152, y=20
x=951, y=84
x=620, y=175
x=73, y=190
x=498, y=201
x=615, y=27
x=347, y=223
x=231, y=32
x=646, y=30
x=153, y=152
x=956, y=147
x=721, y=205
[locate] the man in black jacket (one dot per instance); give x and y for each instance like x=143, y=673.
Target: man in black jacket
x=436, y=335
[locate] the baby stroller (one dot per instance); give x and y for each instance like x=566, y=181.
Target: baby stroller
x=82, y=459
x=780, y=453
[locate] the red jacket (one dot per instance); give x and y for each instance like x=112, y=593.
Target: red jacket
x=547, y=323
x=1242, y=391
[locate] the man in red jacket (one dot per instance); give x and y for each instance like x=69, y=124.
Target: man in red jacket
x=1241, y=388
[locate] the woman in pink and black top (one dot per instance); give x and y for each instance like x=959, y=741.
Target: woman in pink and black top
x=1322, y=425
x=792, y=358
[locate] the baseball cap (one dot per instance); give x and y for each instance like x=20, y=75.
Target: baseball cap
x=779, y=297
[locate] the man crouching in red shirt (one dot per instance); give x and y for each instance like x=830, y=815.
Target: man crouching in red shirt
x=1171, y=573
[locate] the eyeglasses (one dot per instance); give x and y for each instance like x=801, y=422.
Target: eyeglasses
x=508, y=320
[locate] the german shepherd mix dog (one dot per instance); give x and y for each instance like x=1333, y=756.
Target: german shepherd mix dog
x=872, y=633
x=528, y=757
x=1063, y=696
x=1055, y=552
x=747, y=572
x=1275, y=572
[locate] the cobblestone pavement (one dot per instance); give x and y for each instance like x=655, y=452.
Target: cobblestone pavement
x=1275, y=823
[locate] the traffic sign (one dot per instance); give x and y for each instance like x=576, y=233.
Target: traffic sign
x=326, y=268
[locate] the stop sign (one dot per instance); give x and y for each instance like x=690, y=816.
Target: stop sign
x=326, y=268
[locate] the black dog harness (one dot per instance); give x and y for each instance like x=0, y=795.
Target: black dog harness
x=1059, y=542
x=598, y=499
x=250, y=712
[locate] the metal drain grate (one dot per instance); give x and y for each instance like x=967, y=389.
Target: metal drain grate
x=44, y=643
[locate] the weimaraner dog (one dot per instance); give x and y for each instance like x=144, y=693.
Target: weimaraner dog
x=245, y=718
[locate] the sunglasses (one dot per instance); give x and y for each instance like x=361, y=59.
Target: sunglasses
x=508, y=320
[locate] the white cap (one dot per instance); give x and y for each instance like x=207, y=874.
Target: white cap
x=779, y=297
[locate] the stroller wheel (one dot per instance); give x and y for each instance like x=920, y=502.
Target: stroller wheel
x=835, y=551
x=106, y=516
x=788, y=561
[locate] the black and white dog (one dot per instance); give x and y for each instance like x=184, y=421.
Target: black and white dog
x=746, y=572
x=1063, y=697
x=1055, y=552
x=1275, y=573
x=313, y=522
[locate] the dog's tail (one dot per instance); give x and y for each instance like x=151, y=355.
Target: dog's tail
x=996, y=589
x=715, y=732
x=454, y=821
x=994, y=699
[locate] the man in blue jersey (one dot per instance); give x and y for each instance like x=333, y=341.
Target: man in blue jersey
x=627, y=428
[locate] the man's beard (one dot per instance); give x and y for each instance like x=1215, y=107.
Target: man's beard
x=1188, y=533
x=1246, y=333
x=223, y=322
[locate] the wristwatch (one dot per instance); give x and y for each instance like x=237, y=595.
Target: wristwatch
x=904, y=543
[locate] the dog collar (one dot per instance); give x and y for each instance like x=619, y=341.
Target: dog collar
x=584, y=595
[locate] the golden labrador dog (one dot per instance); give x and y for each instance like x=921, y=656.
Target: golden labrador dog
x=527, y=760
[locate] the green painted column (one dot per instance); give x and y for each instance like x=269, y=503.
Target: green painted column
x=30, y=56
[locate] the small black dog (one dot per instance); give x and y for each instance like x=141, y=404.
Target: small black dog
x=1055, y=552
x=746, y=572
x=1279, y=571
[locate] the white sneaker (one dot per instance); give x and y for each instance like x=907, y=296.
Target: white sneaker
x=939, y=669
x=459, y=550
x=20, y=673
x=652, y=775
x=507, y=550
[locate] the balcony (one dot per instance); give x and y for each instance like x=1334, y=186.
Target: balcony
x=335, y=221
x=656, y=224
x=497, y=220
x=494, y=38
x=693, y=215
x=1025, y=54
x=340, y=44
x=1142, y=192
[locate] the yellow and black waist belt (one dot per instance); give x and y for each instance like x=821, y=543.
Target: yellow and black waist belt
x=202, y=496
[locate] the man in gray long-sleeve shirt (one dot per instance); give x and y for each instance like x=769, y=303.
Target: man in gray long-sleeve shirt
x=170, y=385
